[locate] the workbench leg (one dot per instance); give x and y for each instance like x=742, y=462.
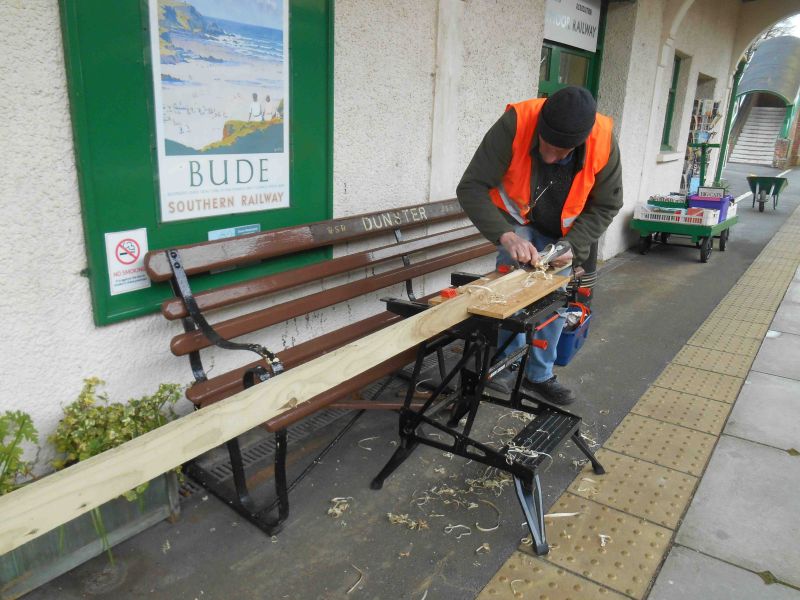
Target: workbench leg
x=584, y=447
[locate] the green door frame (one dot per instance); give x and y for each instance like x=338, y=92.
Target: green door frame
x=550, y=85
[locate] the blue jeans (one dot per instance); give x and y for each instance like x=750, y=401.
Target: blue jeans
x=540, y=361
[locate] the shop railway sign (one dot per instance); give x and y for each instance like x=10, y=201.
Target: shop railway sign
x=573, y=22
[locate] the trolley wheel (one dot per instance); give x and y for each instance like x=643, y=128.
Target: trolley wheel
x=706, y=245
x=762, y=200
x=723, y=239
x=663, y=237
x=774, y=202
x=645, y=242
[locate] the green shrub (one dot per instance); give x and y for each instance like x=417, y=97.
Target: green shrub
x=16, y=427
x=92, y=424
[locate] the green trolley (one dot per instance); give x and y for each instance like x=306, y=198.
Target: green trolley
x=654, y=226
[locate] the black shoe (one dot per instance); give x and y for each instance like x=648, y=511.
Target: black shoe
x=550, y=391
x=503, y=382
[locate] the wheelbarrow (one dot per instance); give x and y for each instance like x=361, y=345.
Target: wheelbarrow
x=762, y=187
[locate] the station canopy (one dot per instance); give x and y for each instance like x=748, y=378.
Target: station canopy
x=774, y=68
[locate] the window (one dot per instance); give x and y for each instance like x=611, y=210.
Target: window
x=673, y=86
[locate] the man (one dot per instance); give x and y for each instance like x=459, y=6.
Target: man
x=547, y=170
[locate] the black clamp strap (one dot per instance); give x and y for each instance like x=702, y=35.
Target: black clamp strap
x=184, y=290
x=398, y=235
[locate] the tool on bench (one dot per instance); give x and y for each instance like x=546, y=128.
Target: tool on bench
x=552, y=251
x=480, y=361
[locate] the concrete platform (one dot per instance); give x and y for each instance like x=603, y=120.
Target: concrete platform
x=745, y=510
x=690, y=575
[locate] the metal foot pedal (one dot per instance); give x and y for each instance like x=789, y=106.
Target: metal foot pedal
x=529, y=448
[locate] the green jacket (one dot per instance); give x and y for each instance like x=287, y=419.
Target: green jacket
x=490, y=163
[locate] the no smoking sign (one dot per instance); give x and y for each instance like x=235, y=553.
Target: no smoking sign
x=128, y=251
x=125, y=252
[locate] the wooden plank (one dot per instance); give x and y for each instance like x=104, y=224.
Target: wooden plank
x=53, y=500
x=511, y=303
x=535, y=288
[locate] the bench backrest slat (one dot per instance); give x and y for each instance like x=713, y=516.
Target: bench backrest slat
x=221, y=254
x=231, y=328
x=174, y=308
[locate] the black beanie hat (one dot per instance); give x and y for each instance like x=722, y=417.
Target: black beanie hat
x=567, y=117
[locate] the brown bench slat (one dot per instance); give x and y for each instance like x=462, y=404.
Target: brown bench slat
x=219, y=254
x=330, y=396
x=227, y=384
x=249, y=290
x=231, y=328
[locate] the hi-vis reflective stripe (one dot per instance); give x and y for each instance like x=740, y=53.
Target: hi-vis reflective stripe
x=511, y=207
x=568, y=221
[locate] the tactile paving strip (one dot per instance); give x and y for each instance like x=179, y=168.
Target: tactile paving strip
x=527, y=578
x=733, y=344
x=721, y=326
x=683, y=409
x=716, y=361
x=759, y=296
x=638, y=488
x=665, y=444
x=716, y=386
x=742, y=313
x=630, y=556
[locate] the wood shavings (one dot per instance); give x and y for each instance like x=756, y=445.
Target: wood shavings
x=484, y=548
x=451, y=528
x=432, y=434
x=425, y=595
x=591, y=441
x=486, y=294
x=448, y=455
x=367, y=439
x=404, y=554
x=515, y=451
x=605, y=411
x=604, y=539
x=540, y=274
x=527, y=541
x=511, y=585
x=578, y=463
x=439, y=470
x=360, y=579
x=561, y=515
x=412, y=524
x=496, y=526
x=340, y=506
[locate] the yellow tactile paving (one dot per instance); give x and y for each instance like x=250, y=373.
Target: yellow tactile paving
x=636, y=487
x=716, y=361
x=523, y=577
x=742, y=313
x=722, y=326
x=683, y=409
x=668, y=445
x=698, y=382
x=631, y=554
x=733, y=344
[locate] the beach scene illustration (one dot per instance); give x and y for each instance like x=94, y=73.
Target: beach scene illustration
x=223, y=76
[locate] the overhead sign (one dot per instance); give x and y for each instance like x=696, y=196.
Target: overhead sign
x=573, y=22
x=221, y=95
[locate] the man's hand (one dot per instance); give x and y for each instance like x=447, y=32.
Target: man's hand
x=519, y=249
x=562, y=261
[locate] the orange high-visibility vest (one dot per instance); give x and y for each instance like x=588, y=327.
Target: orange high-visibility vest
x=514, y=193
